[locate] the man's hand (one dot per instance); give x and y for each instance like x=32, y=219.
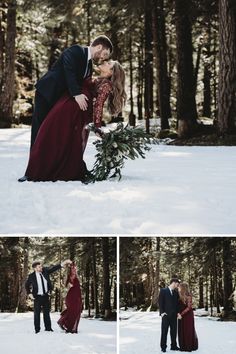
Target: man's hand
x=82, y=101
x=31, y=297
x=67, y=261
x=163, y=314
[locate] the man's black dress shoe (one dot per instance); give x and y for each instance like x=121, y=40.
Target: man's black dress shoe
x=175, y=348
x=163, y=350
x=49, y=330
x=23, y=179
x=37, y=331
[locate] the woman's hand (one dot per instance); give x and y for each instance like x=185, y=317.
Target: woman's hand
x=66, y=262
x=99, y=133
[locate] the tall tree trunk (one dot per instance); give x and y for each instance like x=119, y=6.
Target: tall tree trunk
x=155, y=293
x=227, y=278
x=131, y=115
x=160, y=51
x=215, y=74
x=114, y=25
x=115, y=295
x=186, y=103
x=8, y=83
x=215, y=274
x=206, y=294
x=211, y=292
x=207, y=76
x=201, y=295
x=2, y=41
x=72, y=244
x=55, y=46
x=14, y=276
x=95, y=282
x=106, y=278
x=22, y=291
x=220, y=285
x=88, y=7
x=197, y=66
x=87, y=287
x=227, y=66
x=148, y=62
x=140, y=81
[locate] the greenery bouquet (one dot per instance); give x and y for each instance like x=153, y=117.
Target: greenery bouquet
x=116, y=146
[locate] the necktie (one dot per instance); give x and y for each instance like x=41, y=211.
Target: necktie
x=89, y=68
x=44, y=291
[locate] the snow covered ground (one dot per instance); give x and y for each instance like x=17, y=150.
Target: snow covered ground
x=140, y=333
x=17, y=336
x=175, y=190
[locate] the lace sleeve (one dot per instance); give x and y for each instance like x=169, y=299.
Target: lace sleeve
x=102, y=95
x=189, y=306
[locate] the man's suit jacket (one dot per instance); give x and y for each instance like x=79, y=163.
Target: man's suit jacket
x=168, y=303
x=66, y=74
x=31, y=284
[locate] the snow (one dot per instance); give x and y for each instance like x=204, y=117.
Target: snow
x=175, y=190
x=140, y=333
x=17, y=336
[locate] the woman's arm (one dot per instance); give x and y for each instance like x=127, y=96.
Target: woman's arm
x=52, y=269
x=189, y=306
x=103, y=92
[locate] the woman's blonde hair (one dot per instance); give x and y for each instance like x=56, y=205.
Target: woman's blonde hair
x=117, y=97
x=184, y=292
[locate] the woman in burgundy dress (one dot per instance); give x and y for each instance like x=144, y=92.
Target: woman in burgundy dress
x=57, y=153
x=70, y=317
x=188, y=340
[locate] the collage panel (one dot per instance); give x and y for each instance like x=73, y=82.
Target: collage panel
x=100, y=106
x=58, y=295
x=177, y=294
x=117, y=176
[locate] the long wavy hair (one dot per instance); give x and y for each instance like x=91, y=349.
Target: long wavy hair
x=184, y=292
x=117, y=97
x=72, y=273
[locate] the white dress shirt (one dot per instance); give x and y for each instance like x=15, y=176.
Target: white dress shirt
x=89, y=53
x=171, y=291
x=39, y=282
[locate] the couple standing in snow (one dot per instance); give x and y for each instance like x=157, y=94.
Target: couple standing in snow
x=67, y=99
x=175, y=303
x=39, y=286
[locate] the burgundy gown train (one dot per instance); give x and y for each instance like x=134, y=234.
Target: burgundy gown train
x=57, y=153
x=188, y=340
x=70, y=317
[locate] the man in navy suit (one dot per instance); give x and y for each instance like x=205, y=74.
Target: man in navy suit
x=39, y=286
x=67, y=75
x=169, y=309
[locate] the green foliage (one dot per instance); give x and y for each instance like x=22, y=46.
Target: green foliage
x=115, y=147
x=195, y=260
x=18, y=253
